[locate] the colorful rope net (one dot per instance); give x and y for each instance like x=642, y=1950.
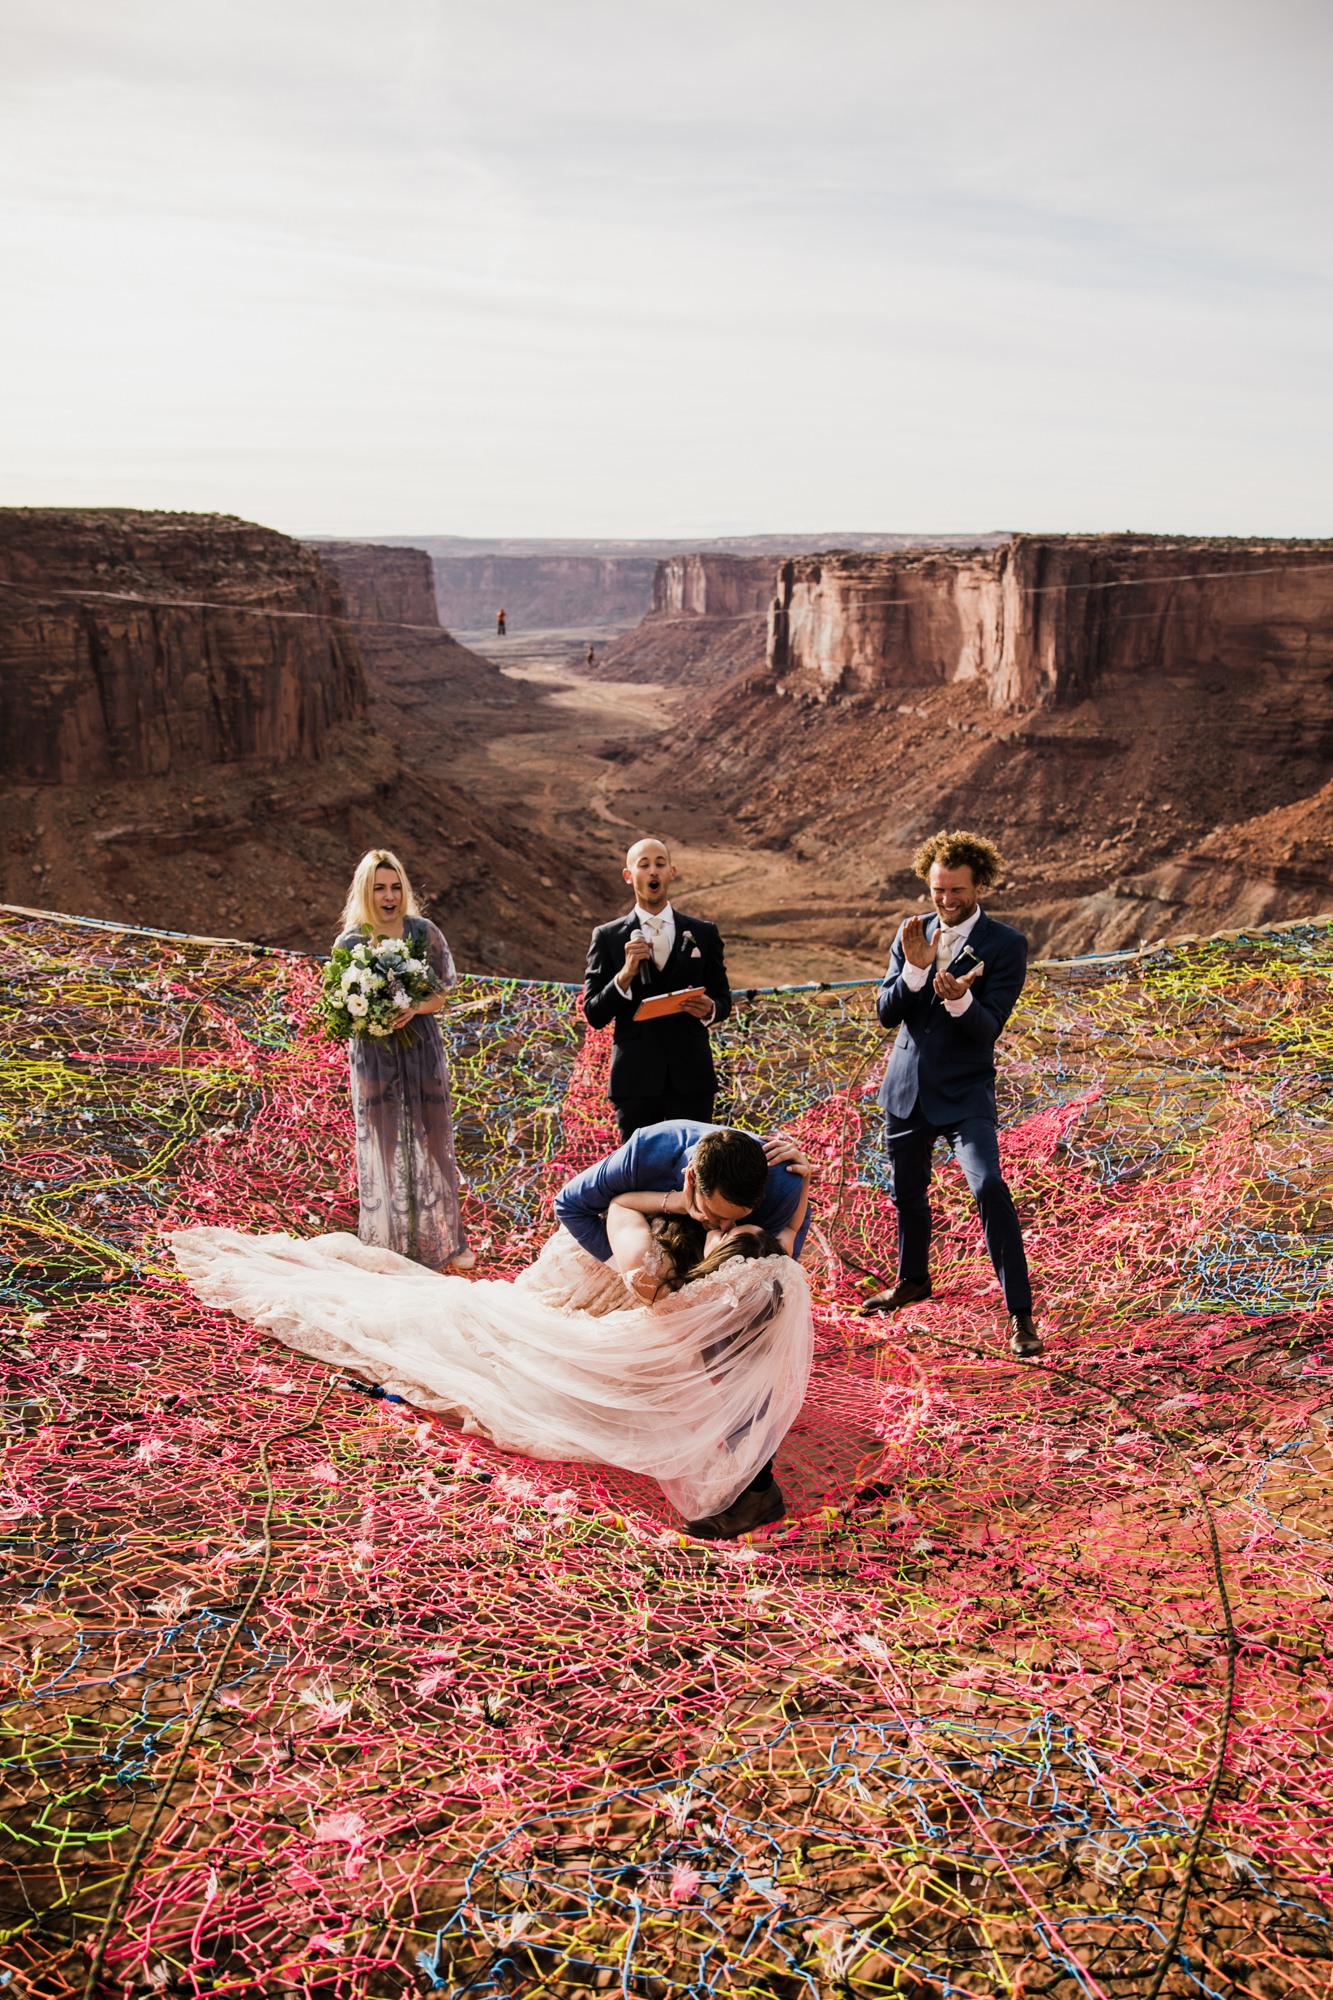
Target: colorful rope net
x=306, y=1695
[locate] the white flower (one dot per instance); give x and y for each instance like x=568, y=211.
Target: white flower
x=392, y=948
x=360, y=954
x=351, y=977
x=376, y=1029
x=357, y=1005
x=400, y=997
x=326, y=1700
x=413, y=968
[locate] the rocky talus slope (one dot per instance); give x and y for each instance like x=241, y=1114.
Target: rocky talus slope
x=1144, y=723
x=194, y=735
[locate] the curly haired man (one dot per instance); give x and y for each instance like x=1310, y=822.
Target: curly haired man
x=951, y=985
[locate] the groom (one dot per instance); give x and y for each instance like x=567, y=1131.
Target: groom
x=951, y=984
x=727, y=1177
x=660, y=1068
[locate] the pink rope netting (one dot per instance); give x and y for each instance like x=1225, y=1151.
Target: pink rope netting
x=452, y=1720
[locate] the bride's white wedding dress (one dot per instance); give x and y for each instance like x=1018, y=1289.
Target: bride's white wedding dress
x=697, y=1391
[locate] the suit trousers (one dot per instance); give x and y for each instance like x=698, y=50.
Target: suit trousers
x=632, y=1113
x=974, y=1142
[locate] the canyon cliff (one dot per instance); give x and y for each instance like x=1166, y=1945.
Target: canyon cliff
x=1144, y=723
x=193, y=737
x=538, y=591
x=1049, y=619
x=712, y=586
x=382, y=586
x=137, y=644
x=706, y=625
x=549, y=584
x=422, y=685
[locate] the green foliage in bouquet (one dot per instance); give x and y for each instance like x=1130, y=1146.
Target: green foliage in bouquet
x=367, y=987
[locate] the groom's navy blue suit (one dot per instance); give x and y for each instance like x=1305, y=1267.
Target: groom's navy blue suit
x=940, y=1083
x=654, y=1161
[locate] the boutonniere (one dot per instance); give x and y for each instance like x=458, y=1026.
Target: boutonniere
x=688, y=939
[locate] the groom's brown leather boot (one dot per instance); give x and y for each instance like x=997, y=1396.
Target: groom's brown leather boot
x=748, y=1510
x=907, y=1292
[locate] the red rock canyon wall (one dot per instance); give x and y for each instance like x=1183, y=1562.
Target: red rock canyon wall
x=382, y=586
x=1048, y=620
x=712, y=586
x=133, y=644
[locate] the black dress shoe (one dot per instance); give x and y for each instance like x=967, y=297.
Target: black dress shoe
x=907, y=1292
x=748, y=1510
x=1024, y=1340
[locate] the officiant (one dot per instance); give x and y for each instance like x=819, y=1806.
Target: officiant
x=661, y=1059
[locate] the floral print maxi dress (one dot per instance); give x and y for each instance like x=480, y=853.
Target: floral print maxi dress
x=406, y=1174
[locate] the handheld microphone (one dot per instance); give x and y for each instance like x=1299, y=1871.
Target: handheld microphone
x=642, y=969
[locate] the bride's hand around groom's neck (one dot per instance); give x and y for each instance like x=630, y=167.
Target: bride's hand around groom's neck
x=781, y=1150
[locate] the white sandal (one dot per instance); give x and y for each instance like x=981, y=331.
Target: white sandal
x=464, y=1261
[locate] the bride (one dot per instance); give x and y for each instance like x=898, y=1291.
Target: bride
x=696, y=1386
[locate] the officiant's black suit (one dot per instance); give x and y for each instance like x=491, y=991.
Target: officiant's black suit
x=664, y=1068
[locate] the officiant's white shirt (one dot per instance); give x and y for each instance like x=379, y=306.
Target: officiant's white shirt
x=648, y=922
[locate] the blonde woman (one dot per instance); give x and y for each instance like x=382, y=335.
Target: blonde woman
x=406, y=1174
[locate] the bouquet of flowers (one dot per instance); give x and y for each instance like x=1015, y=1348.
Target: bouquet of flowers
x=368, y=986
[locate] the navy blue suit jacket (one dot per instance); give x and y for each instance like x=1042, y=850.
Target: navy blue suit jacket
x=654, y=1159
x=946, y=1063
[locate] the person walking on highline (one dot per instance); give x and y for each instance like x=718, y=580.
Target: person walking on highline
x=661, y=977
x=951, y=985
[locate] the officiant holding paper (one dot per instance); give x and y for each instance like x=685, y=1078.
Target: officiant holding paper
x=661, y=977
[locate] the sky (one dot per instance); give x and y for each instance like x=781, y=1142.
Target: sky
x=670, y=267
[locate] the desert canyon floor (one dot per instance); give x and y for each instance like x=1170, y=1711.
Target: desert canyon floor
x=551, y=776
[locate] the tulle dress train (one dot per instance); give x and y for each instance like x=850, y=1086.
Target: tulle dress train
x=697, y=1391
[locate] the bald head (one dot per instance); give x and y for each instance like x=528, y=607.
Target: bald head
x=649, y=840
x=649, y=872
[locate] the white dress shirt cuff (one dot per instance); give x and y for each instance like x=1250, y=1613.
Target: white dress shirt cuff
x=957, y=1007
x=915, y=976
